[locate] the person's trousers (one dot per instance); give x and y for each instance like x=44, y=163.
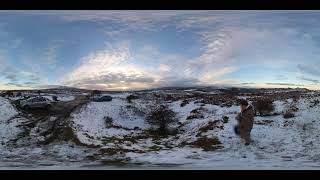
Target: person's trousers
x=243, y=133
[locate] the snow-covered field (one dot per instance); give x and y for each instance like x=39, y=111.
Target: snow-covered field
x=61, y=97
x=275, y=147
x=117, y=132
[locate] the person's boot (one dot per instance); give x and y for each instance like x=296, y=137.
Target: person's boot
x=247, y=143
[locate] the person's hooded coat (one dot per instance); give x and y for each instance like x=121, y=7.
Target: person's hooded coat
x=245, y=119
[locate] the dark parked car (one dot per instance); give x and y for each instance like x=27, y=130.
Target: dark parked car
x=102, y=99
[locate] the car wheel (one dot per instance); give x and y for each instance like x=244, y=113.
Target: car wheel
x=48, y=107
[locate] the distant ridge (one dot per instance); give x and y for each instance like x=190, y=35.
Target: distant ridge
x=201, y=88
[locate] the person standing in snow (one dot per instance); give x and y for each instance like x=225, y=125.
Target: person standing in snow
x=245, y=121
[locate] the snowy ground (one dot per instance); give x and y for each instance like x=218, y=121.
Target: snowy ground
x=61, y=97
x=274, y=146
x=278, y=143
x=8, y=123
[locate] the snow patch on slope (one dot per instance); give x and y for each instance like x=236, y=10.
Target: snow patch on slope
x=90, y=121
x=7, y=111
x=8, y=122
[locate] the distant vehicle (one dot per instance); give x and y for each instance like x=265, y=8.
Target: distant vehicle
x=102, y=99
x=36, y=102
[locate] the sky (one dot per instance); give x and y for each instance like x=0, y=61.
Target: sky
x=131, y=50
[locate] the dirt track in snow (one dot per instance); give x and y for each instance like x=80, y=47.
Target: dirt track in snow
x=53, y=123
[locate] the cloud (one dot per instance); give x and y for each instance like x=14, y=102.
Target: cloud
x=165, y=68
x=228, y=48
x=315, y=81
x=281, y=77
x=247, y=83
x=11, y=44
x=30, y=83
x=110, y=69
x=14, y=84
x=32, y=76
x=117, y=22
x=210, y=77
x=12, y=77
x=284, y=84
x=313, y=69
x=116, y=68
x=114, y=80
x=174, y=81
x=250, y=39
x=7, y=71
x=50, y=54
x=230, y=41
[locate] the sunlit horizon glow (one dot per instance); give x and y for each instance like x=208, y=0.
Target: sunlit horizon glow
x=134, y=50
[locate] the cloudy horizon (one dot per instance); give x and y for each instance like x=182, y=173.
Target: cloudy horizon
x=129, y=50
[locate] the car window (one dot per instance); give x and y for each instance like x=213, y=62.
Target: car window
x=37, y=99
x=32, y=100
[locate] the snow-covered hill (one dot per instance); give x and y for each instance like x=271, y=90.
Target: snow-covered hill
x=116, y=133
x=287, y=143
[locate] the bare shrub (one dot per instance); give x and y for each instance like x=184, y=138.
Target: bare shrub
x=225, y=119
x=196, y=114
x=264, y=106
x=108, y=121
x=263, y=122
x=8, y=94
x=168, y=97
x=314, y=103
x=210, y=126
x=55, y=98
x=207, y=144
x=294, y=109
x=288, y=114
x=184, y=102
x=161, y=116
x=131, y=111
x=131, y=97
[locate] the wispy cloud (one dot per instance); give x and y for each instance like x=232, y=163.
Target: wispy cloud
x=247, y=83
x=284, y=84
x=315, y=81
x=225, y=43
x=50, y=54
x=310, y=69
x=110, y=69
x=116, y=68
x=12, y=77
x=281, y=77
